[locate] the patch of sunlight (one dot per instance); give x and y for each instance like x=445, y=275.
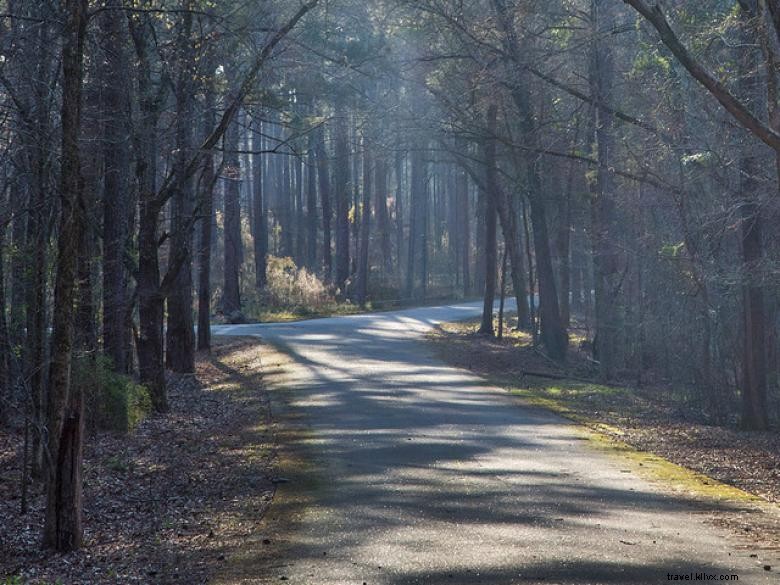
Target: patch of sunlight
x=226, y=387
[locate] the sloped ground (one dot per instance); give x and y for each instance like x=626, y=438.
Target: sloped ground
x=171, y=503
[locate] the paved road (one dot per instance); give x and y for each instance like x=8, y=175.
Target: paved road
x=431, y=476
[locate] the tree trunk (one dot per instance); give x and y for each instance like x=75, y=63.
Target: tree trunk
x=490, y=266
x=552, y=331
x=286, y=208
x=180, y=343
x=63, y=527
x=399, y=208
x=116, y=187
x=5, y=344
x=300, y=215
x=231, y=299
x=260, y=217
x=464, y=231
x=606, y=254
x=341, y=188
x=382, y=221
x=323, y=176
x=149, y=341
x=754, y=371
x=365, y=223
x=415, y=269
x=207, y=182
x=491, y=216
x=311, y=206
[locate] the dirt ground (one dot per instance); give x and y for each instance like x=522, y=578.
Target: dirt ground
x=170, y=503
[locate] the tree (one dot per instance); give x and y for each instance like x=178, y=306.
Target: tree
x=63, y=528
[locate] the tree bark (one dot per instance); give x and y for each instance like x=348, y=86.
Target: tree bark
x=231, y=299
x=116, y=187
x=63, y=526
x=323, y=177
x=311, y=206
x=341, y=188
x=382, y=221
x=207, y=181
x=260, y=218
x=149, y=341
x=606, y=254
x=180, y=342
x=365, y=223
x=754, y=370
x=491, y=215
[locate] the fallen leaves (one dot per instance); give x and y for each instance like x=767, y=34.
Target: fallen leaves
x=169, y=503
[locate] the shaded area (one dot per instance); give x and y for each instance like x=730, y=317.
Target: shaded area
x=169, y=503
x=429, y=476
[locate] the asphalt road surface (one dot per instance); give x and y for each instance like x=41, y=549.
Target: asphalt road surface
x=426, y=474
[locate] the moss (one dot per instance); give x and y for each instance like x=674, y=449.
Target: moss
x=659, y=469
x=604, y=437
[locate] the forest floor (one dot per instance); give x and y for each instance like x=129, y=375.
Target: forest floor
x=651, y=419
x=170, y=503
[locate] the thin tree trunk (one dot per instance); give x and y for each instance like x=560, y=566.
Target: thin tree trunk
x=365, y=223
x=311, y=206
x=502, y=294
x=231, y=299
x=261, y=219
x=464, y=231
x=399, y=208
x=207, y=182
x=383, y=224
x=491, y=216
x=341, y=188
x=323, y=176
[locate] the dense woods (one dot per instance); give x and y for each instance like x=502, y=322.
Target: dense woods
x=166, y=164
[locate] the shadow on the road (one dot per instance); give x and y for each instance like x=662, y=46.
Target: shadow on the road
x=425, y=457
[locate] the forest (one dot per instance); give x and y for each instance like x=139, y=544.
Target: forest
x=171, y=165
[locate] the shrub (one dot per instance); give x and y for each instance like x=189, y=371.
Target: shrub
x=114, y=402
x=290, y=286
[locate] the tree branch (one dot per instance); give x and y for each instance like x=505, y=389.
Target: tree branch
x=733, y=106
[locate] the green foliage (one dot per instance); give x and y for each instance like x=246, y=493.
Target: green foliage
x=114, y=401
x=651, y=61
x=672, y=250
